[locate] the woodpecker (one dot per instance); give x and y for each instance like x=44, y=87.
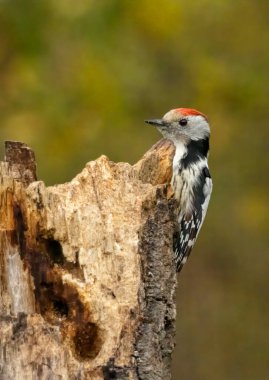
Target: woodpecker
x=191, y=182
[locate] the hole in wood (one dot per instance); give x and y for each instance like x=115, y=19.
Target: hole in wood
x=55, y=251
x=60, y=302
x=87, y=341
x=60, y=307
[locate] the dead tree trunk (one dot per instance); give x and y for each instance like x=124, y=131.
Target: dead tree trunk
x=87, y=279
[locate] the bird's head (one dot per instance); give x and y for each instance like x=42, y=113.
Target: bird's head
x=182, y=124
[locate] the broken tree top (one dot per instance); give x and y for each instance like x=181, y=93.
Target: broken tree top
x=22, y=158
x=87, y=272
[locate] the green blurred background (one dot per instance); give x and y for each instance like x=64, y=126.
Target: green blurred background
x=77, y=79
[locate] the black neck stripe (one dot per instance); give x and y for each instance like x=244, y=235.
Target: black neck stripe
x=195, y=151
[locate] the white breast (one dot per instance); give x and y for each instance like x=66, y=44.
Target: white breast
x=185, y=180
x=181, y=151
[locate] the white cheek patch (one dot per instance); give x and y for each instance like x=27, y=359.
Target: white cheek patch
x=198, y=128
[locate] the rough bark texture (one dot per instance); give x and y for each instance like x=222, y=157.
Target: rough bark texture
x=87, y=277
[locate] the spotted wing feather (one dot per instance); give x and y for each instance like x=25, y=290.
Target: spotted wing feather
x=189, y=228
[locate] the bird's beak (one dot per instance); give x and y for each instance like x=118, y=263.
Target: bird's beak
x=156, y=122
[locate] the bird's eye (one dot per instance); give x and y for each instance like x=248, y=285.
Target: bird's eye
x=183, y=122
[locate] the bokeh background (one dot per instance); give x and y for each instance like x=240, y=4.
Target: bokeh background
x=77, y=79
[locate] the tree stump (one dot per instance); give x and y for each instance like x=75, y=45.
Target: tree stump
x=87, y=274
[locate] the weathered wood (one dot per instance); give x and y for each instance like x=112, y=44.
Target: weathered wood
x=87, y=274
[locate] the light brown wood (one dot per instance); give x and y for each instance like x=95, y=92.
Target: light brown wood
x=87, y=274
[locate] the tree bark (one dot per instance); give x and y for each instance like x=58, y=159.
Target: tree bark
x=87, y=275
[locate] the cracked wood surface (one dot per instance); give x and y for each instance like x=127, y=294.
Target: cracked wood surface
x=87, y=277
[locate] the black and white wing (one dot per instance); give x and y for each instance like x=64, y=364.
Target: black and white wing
x=191, y=222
